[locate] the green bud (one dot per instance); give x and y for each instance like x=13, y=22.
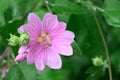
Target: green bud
x=97, y=61
x=24, y=38
x=105, y=64
x=14, y=40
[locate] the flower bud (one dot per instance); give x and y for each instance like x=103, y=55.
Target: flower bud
x=24, y=38
x=20, y=57
x=14, y=40
x=97, y=61
x=4, y=71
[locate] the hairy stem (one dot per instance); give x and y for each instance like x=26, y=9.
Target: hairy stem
x=46, y=3
x=105, y=45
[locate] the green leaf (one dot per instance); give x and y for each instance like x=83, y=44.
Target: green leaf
x=49, y=74
x=95, y=73
x=8, y=15
x=23, y=71
x=29, y=71
x=0, y=75
x=67, y=6
x=64, y=16
x=86, y=34
x=76, y=48
x=112, y=12
x=15, y=74
x=10, y=28
x=4, y=4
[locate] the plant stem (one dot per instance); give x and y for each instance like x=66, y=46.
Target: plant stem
x=46, y=3
x=105, y=45
x=34, y=5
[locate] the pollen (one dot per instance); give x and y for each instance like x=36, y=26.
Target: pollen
x=44, y=40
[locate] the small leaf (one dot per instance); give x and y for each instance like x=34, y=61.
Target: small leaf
x=76, y=48
x=67, y=6
x=8, y=15
x=15, y=73
x=64, y=16
x=112, y=12
x=22, y=71
x=95, y=73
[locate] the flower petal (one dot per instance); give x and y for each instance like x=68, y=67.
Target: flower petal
x=32, y=52
x=62, y=43
x=52, y=25
x=29, y=29
x=64, y=49
x=20, y=57
x=66, y=36
x=22, y=28
x=39, y=61
x=33, y=27
x=35, y=21
x=49, y=21
x=23, y=49
x=53, y=59
x=4, y=71
x=58, y=29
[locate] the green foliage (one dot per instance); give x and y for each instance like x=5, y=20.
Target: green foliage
x=67, y=6
x=0, y=74
x=87, y=34
x=9, y=28
x=112, y=12
x=88, y=43
x=22, y=71
x=15, y=73
x=48, y=74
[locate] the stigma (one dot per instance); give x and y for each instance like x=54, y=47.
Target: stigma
x=44, y=40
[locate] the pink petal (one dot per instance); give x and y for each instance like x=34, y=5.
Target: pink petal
x=20, y=57
x=58, y=29
x=32, y=53
x=34, y=26
x=64, y=49
x=39, y=61
x=22, y=28
x=53, y=59
x=35, y=22
x=51, y=24
x=29, y=29
x=4, y=72
x=62, y=43
x=23, y=49
x=22, y=53
x=68, y=35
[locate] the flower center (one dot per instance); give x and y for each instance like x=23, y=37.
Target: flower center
x=44, y=40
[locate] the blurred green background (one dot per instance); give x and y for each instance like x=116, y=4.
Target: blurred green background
x=88, y=44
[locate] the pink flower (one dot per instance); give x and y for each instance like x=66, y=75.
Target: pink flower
x=48, y=39
x=21, y=53
x=4, y=71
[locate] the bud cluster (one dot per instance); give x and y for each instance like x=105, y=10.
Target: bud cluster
x=15, y=40
x=98, y=61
